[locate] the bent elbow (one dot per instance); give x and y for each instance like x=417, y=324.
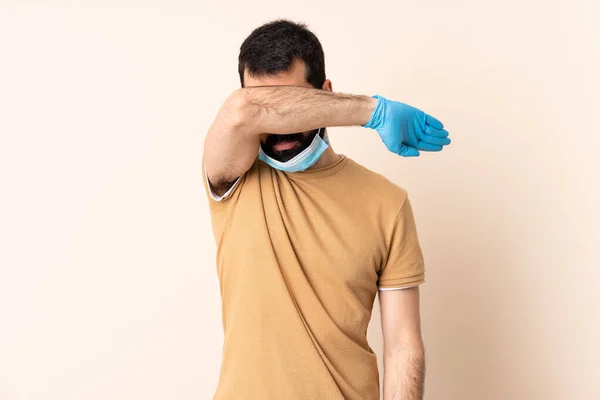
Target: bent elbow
x=238, y=111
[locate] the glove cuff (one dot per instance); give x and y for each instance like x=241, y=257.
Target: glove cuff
x=378, y=114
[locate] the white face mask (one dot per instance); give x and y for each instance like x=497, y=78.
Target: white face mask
x=303, y=160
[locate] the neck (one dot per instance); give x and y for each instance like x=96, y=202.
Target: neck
x=327, y=158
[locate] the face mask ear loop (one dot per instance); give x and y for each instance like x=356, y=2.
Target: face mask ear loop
x=326, y=138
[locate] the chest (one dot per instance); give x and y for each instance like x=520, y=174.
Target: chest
x=325, y=236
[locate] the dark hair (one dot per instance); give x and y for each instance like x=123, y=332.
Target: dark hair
x=272, y=47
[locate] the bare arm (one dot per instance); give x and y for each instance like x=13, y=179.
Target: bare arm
x=404, y=354
x=291, y=109
x=231, y=144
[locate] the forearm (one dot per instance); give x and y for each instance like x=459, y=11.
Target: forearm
x=291, y=109
x=404, y=374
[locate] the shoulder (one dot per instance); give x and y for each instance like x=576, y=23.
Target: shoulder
x=379, y=186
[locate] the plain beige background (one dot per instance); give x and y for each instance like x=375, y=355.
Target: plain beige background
x=108, y=288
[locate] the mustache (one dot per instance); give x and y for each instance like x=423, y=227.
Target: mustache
x=274, y=138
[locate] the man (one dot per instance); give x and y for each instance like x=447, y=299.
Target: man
x=306, y=237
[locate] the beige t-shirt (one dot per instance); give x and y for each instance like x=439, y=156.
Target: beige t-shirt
x=300, y=257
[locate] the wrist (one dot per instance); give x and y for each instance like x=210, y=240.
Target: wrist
x=368, y=108
x=371, y=115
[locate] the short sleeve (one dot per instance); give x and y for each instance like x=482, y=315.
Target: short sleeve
x=404, y=266
x=212, y=194
x=215, y=199
x=221, y=207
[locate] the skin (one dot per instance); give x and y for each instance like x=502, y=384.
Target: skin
x=403, y=349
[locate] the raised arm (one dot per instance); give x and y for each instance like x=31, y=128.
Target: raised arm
x=232, y=141
x=290, y=109
x=231, y=144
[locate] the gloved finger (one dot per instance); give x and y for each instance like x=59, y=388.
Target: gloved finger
x=435, y=132
x=434, y=122
x=443, y=141
x=428, y=146
x=406, y=151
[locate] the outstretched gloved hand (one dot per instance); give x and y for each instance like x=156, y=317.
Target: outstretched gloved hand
x=405, y=130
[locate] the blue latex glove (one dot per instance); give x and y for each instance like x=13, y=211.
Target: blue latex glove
x=405, y=130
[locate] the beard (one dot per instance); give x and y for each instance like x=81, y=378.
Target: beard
x=303, y=141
